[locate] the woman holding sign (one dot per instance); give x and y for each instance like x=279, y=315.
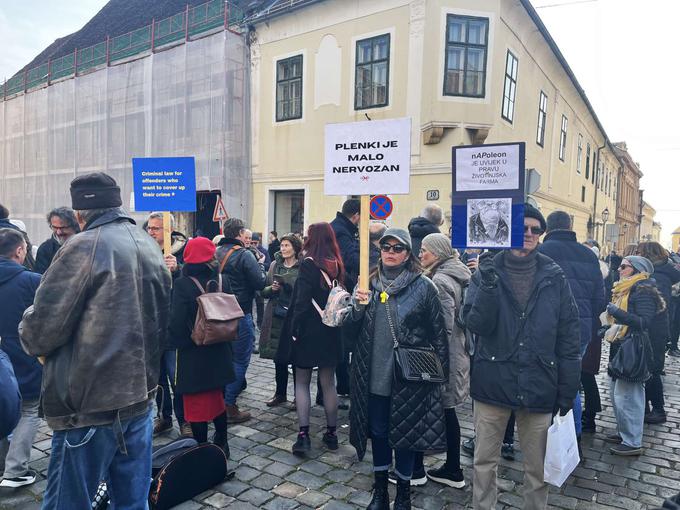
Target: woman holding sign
x=396, y=402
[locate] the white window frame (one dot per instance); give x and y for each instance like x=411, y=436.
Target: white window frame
x=510, y=87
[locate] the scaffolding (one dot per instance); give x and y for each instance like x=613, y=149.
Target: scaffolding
x=174, y=88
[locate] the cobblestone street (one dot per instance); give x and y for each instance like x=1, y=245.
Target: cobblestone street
x=268, y=476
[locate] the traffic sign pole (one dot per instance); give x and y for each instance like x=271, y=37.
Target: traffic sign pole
x=167, y=233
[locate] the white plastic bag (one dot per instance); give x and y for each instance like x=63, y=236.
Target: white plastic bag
x=561, y=452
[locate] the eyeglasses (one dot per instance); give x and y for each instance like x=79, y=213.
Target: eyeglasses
x=396, y=248
x=537, y=231
x=624, y=266
x=154, y=229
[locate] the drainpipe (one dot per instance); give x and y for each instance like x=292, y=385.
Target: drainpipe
x=618, y=197
x=597, y=181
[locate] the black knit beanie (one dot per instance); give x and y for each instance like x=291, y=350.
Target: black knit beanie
x=94, y=191
x=531, y=212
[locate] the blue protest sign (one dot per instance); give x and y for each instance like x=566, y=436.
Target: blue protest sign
x=164, y=184
x=488, y=196
x=381, y=207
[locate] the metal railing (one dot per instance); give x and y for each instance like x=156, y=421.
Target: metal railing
x=283, y=6
x=176, y=29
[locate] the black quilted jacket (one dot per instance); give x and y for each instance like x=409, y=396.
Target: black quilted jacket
x=417, y=415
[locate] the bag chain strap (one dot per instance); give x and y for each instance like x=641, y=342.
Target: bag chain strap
x=389, y=321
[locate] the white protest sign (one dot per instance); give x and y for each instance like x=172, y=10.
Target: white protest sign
x=368, y=158
x=487, y=168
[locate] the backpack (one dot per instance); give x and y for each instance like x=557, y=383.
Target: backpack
x=217, y=317
x=338, y=305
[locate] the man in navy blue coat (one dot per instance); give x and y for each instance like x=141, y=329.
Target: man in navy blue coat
x=346, y=229
x=10, y=398
x=582, y=269
x=17, y=290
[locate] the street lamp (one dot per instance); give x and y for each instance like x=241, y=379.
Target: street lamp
x=605, y=216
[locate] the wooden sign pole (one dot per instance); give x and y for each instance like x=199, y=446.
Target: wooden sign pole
x=363, y=242
x=167, y=233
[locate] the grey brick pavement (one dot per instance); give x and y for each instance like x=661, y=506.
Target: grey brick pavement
x=268, y=476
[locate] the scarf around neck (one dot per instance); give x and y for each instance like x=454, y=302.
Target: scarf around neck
x=620, y=296
x=392, y=284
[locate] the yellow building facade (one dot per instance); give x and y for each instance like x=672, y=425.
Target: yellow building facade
x=465, y=72
x=649, y=229
x=675, y=240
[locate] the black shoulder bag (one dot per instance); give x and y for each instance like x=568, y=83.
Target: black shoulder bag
x=415, y=364
x=633, y=359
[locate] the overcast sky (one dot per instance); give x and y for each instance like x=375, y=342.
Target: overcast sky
x=622, y=52
x=28, y=26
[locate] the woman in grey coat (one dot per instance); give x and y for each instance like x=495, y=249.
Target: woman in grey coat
x=451, y=276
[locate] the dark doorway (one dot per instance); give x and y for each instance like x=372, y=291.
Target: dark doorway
x=205, y=207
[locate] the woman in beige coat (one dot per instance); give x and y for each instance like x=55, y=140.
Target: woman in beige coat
x=450, y=276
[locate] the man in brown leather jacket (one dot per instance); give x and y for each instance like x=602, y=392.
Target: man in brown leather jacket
x=99, y=318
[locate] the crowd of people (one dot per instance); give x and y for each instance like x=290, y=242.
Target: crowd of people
x=98, y=325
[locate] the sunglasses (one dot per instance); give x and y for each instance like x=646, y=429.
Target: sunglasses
x=537, y=231
x=624, y=266
x=396, y=248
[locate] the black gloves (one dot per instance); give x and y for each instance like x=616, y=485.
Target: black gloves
x=601, y=331
x=612, y=309
x=487, y=270
x=561, y=410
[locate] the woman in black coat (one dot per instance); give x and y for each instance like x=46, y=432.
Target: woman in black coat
x=636, y=305
x=407, y=417
x=305, y=341
x=202, y=371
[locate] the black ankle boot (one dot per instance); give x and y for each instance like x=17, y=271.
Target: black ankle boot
x=403, y=499
x=381, y=498
x=221, y=440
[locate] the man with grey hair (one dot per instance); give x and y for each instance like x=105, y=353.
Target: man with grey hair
x=62, y=222
x=428, y=222
x=99, y=319
x=167, y=399
x=154, y=227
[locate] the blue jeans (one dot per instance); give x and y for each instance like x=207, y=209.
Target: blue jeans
x=578, y=411
x=82, y=457
x=379, y=426
x=241, y=352
x=628, y=400
x=165, y=399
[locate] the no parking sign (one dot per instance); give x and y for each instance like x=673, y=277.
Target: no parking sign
x=381, y=207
